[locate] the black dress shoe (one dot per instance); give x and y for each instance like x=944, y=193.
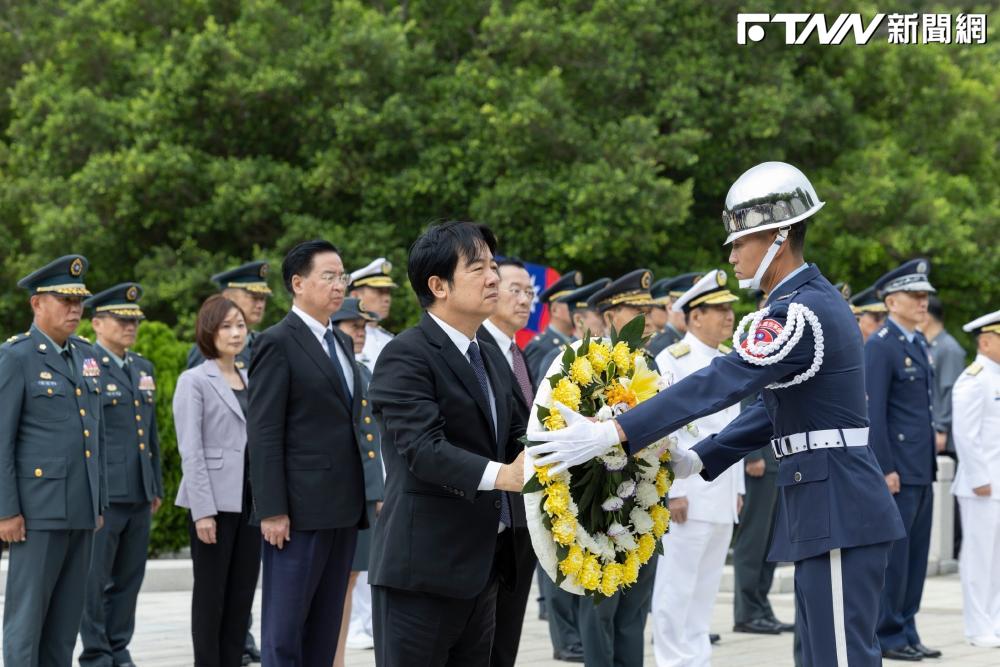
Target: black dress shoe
x=713, y=638
x=906, y=653
x=926, y=652
x=758, y=626
x=782, y=627
x=245, y=659
x=571, y=654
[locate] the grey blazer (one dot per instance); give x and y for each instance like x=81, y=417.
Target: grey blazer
x=212, y=439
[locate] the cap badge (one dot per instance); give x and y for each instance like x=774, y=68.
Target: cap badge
x=263, y=271
x=386, y=267
x=647, y=278
x=578, y=278
x=922, y=267
x=76, y=267
x=132, y=293
x=720, y=277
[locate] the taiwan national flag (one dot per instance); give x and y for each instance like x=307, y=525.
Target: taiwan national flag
x=541, y=278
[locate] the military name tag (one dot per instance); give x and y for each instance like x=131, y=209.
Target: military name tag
x=146, y=383
x=90, y=368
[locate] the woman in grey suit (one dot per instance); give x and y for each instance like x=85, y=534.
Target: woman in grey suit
x=210, y=408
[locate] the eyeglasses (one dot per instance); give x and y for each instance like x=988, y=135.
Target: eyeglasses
x=529, y=294
x=335, y=278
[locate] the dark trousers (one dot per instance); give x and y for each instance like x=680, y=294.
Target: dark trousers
x=116, y=572
x=904, y=578
x=44, y=600
x=752, y=571
x=511, y=603
x=836, y=597
x=612, y=631
x=225, y=577
x=562, y=608
x=304, y=587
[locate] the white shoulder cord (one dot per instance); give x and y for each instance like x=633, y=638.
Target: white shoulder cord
x=795, y=324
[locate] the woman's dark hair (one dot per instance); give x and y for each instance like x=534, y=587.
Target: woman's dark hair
x=437, y=251
x=299, y=260
x=211, y=315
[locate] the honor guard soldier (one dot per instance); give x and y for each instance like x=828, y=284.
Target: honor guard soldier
x=559, y=332
x=52, y=468
x=134, y=479
x=975, y=400
x=835, y=517
x=373, y=285
x=586, y=317
x=664, y=292
x=899, y=381
x=869, y=311
x=246, y=286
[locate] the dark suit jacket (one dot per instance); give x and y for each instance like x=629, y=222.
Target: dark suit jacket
x=437, y=533
x=302, y=431
x=524, y=414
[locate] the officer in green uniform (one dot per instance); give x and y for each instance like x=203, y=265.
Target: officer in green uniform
x=135, y=484
x=559, y=332
x=52, y=468
x=664, y=292
x=246, y=286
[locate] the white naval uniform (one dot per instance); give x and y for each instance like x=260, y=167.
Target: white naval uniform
x=975, y=425
x=694, y=552
x=376, y=338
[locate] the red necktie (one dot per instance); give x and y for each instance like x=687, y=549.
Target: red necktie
x=521, y=373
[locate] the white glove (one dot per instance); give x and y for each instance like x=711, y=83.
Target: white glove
x=685, y=462
x=579, y=442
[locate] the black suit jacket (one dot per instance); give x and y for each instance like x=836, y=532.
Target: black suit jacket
x=437, y=533
x=524, y=414
x=302, y=431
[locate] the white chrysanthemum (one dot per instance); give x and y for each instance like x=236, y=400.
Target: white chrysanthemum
x=615, y=459
x=626, y=489
x=605, y=546
x=616, y=529
x=625, y=542
x=646, y=495
x=648, y=473
x=650, y=455
x=612, y=504
x=641, y=520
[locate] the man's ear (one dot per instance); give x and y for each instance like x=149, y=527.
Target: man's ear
x=438, y=287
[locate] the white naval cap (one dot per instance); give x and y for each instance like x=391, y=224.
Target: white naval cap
x=985, y=324
x=710, y=290
x=375, y=274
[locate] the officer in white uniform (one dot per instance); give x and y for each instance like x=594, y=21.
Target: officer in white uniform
x=702, y=513
x=373, y=284
x=975, y=400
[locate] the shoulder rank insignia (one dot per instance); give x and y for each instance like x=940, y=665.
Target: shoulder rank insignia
x=724, y=349
x=678, y=350
x=787, y=296
x=975, y=369
x=882, y=333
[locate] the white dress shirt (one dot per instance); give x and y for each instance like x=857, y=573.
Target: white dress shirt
x=488, y=482
x=318, y=330
x=503, y=340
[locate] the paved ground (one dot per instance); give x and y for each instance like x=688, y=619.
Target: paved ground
x=162, y=633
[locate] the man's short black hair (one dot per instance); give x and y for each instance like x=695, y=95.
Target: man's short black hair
x=934, y=308
x=510, y=261
x=299, y=260
x=436, y=253
x=797, y=236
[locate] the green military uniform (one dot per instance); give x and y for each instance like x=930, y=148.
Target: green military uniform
x=543, y=343
x=251, y=277
x=664, y=291
x=128, y=391
x=52, y=472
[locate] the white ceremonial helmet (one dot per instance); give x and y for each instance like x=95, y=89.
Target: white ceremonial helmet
x=772, y=195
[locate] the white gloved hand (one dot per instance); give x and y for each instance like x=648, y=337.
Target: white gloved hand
x=685, y=462
x=579, y=442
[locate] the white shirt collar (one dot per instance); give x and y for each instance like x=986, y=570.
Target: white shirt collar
x=698, y=346
x=503, y=340
x=314, y=325
x=460, y=340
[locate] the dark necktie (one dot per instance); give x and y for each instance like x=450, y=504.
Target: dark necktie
x=476, y=358
x=521, y=373
x=68, y=358
x=331, y=344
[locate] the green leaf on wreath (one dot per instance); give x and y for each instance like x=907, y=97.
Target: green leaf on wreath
x=658, y=549
x=554, y=379
x=532, y=485
x=584, y=346
x=562, y=551
x=560, y=577
x=543, y=413
x=569, y=356
x=631, y=333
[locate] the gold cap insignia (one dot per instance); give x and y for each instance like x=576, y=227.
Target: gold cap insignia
x=578, y=278
x=263, y=270
x=646, y=280
x=922, y=267
x=386, y=267
x=132, y=293
x=720, y=277
x=76, y=267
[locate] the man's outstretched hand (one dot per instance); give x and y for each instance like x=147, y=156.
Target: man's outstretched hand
x=579, y=442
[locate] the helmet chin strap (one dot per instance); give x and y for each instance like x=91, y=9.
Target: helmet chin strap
x=754, y=283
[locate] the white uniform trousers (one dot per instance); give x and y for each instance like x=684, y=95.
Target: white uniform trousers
x=687, y=581
x=979, y=566
x=361, y=607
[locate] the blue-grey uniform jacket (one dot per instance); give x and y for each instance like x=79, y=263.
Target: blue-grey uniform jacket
x=828, y=498
x=52, y=451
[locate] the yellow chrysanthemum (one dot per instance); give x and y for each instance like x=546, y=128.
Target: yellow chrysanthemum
x=618, y=393
x=590, y=573
x=543, y=475
x=662, y=482
x=568, y=393
x=644, y=382
x=599, y=355
x=581, y=371
x=638, y=356
x=647, y=546
x=611, y=579
x=665, y=455
x=557, y=499
x=573, y=562
x=630, y=571
x=661, y=519
x=554, y=421
x=622, y=357
x=564, y=530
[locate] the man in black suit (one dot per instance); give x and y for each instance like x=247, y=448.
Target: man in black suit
x=445, y=406
x=308, y=484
